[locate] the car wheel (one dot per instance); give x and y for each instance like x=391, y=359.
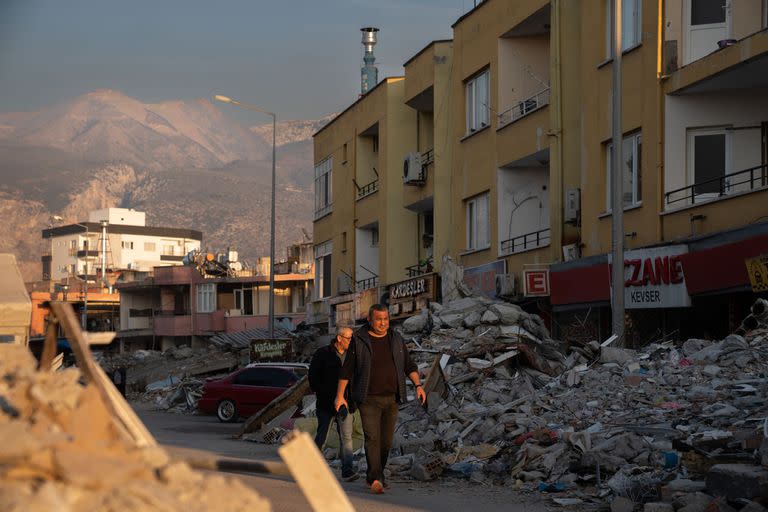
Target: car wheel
x=226, y=411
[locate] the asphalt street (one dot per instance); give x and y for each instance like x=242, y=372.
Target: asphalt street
x=208, y=434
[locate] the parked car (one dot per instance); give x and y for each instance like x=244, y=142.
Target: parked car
x=248, y=390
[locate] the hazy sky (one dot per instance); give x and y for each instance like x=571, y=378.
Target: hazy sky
x=300, y=58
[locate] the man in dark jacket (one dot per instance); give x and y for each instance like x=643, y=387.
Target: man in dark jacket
x=377, y=364
x=323, y=379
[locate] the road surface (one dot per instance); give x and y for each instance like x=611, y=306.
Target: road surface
x=207, y=433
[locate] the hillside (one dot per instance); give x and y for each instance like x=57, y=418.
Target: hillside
x=183, y=162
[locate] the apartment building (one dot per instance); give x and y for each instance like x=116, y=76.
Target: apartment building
x=359, y=203
x=694, y=122
x=78, y=251
x=181, y=306
x=507, y=188
x=513, y=139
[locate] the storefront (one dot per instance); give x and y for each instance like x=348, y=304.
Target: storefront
x=700, y=288
x=408, y=297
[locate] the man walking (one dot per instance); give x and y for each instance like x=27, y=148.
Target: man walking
x=323, y=379
x=377, y=364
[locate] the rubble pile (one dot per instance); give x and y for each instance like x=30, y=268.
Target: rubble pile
x=508, y=405
x=146, y=367
x=62, y=451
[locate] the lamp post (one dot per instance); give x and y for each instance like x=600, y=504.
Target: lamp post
x=226, y=99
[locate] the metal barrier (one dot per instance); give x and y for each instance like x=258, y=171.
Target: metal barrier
x=527, y=241
x=524, y=107
x=713, y=188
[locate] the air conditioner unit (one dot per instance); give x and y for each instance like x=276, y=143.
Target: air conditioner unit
x=412, y=168
x=505, y=285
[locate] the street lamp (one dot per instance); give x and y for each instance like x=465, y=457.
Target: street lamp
x=226, y=99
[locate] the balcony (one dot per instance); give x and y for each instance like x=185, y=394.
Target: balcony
x=421, y=268
x=365, y=284
x=740, y=182
x=526, y=242
x=83, y=253
x=367, y=189
x=523, y=108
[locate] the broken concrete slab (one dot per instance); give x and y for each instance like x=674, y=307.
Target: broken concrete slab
x=734, y=481
x=619, y=356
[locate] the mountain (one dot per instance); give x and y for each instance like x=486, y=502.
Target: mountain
x=183, y=162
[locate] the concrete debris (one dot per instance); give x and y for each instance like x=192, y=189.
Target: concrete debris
x=666, y=422
x=63, y=451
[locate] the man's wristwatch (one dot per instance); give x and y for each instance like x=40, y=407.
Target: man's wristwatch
x=419, y=386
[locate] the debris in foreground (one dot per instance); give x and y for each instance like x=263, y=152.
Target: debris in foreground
x=587, y=423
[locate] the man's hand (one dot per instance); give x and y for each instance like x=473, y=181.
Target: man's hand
x=339, y=402
x=421, y=395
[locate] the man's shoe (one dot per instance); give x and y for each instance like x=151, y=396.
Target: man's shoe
x=377, y=487
x=350, y=477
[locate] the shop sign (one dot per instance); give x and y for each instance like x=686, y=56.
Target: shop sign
x=410, y=288
x=757, y=268
x=271, y=349
x=411, y=296
x=536, y=282
x=482, y=279
x=654, y=278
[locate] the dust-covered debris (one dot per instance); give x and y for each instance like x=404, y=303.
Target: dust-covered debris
x=509, y=405
x=62, y=451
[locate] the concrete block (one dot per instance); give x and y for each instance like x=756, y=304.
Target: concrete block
x=737, y=481
x=620, y=356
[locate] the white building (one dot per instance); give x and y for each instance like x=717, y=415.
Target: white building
x=77, y=250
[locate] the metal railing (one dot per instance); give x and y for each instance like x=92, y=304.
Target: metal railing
x=365, y=284
x=368, y=189
x=420, y=268
x=524, y=107
x=325, y=210
x=746, y=180
x=525, y=242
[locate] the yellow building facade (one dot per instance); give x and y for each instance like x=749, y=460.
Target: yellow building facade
x=509, y=129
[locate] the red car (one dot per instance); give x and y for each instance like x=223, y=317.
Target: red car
x=248, y=390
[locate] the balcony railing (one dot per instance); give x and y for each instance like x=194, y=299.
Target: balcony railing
x=526, y=242
x=365, y=284
x=87, y=253
x=754, y=178
x=524, y=107
x=421, y=268
x=368, y=189
x=323, y=211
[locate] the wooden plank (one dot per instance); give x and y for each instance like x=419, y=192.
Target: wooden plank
x=290, y=398
x=49, y=346
x=434, y=377
x=313, y=475
x=125, y=417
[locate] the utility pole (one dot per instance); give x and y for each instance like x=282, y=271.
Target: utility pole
x=617, y=186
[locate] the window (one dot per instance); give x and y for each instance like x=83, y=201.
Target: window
x=708, y=12
x=375, y=143
x=206, y=298
x=126, y=245
x=477, y=102
x=631, y=25
x=323, y=253
x=149, y=247
x=343, y=241
x=169, y=250
x=344, y=154
x=632, y=149
x=477, y=223
x=323, y=187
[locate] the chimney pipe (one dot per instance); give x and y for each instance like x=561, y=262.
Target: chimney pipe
x=369, y=74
